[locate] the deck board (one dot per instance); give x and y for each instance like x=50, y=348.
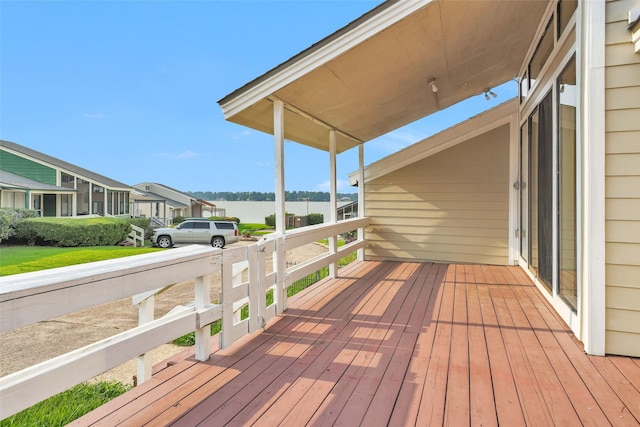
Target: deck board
x=397, y=344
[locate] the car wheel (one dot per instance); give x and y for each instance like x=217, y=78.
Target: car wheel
x=164, y=242
x=217, y=242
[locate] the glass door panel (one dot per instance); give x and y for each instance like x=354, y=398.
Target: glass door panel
x=541, y=191
x=568, y=284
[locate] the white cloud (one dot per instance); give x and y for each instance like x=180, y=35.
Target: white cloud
x=187, y=155
x=94, y=116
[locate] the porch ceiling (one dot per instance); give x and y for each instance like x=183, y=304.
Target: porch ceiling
x=371, y=77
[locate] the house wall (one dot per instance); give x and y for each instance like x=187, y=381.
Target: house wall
x=622, y=168
x=27, y=168
x=450, y=207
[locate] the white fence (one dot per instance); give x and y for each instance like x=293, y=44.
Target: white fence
x=33, y=297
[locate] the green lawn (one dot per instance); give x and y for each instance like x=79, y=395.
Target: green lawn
x=23, y=259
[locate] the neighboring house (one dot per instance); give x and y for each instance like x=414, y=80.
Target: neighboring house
x=549, y=181
x=163, y=203
x=52, y=187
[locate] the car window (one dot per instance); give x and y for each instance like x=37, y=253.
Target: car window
x=186, y=225
x=224, y=225
x=201, y=225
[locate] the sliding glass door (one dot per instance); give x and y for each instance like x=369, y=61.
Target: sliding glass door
x=540, y=159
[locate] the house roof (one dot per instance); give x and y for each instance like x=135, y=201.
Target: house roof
x=148, y=196
x=61, y=164
x=11, y=181
x=372, y=76
x=142, y=185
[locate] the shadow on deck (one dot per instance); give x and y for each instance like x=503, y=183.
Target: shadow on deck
x=396, y=344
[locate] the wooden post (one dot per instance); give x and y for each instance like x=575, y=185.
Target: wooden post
x=256, y=297
x=144, y=361
x=333, y=202
x=203, y=334
x=226, y=335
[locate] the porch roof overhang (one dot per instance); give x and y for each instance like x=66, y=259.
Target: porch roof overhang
x=372, y=76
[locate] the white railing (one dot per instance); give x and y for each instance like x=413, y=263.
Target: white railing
x=33, y=297
x=136, y=235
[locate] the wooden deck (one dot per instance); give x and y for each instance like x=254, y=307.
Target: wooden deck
x=397, y=344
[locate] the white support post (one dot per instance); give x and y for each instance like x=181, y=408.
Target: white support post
x=333, y=203
x=592, y=35
x=278, y=134
x=203, y=334
x=361, y=196
x=144, y=361
x=279, y=259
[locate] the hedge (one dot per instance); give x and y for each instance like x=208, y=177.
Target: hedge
x=71, y=232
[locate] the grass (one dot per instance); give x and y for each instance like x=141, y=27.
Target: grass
x=63, y=408
x=23, y=259
x=255, y=229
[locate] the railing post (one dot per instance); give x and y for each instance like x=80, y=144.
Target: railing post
x=144, y=361
x=226, y=301
x=280, y=267
x=333, y=209
x=203, y=334
x=256, y=295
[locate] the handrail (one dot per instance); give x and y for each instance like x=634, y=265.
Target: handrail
x=33, y=297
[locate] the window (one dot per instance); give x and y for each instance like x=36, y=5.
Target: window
x=97, y=199
x=541, y=54
x=224, y=225
x=67, y=181
x=65, y=205
x=83, y=196
x=566, y=9
x=567, y=136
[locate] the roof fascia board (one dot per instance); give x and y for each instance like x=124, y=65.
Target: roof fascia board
x=322, y=55
x=477, y=125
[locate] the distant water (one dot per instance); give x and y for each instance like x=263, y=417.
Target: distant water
x=256, y=212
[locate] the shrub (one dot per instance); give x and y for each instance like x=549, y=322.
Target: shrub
x=144, y=223
x=177, y=220
x=71, y=232
x=315, y=218
x=270, y=220
x=9, y=219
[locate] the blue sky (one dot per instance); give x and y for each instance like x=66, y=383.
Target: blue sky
x=129, y=89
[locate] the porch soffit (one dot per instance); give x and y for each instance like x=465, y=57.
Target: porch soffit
x=377, y=79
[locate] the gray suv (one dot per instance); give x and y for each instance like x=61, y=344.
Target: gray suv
x=217, y=233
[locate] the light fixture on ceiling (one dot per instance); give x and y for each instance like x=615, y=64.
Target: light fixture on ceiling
x=434, y=88
x=488, y=92
x=434, y=91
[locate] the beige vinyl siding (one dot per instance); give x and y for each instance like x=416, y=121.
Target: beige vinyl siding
x=622, y=165
x=450, y=207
